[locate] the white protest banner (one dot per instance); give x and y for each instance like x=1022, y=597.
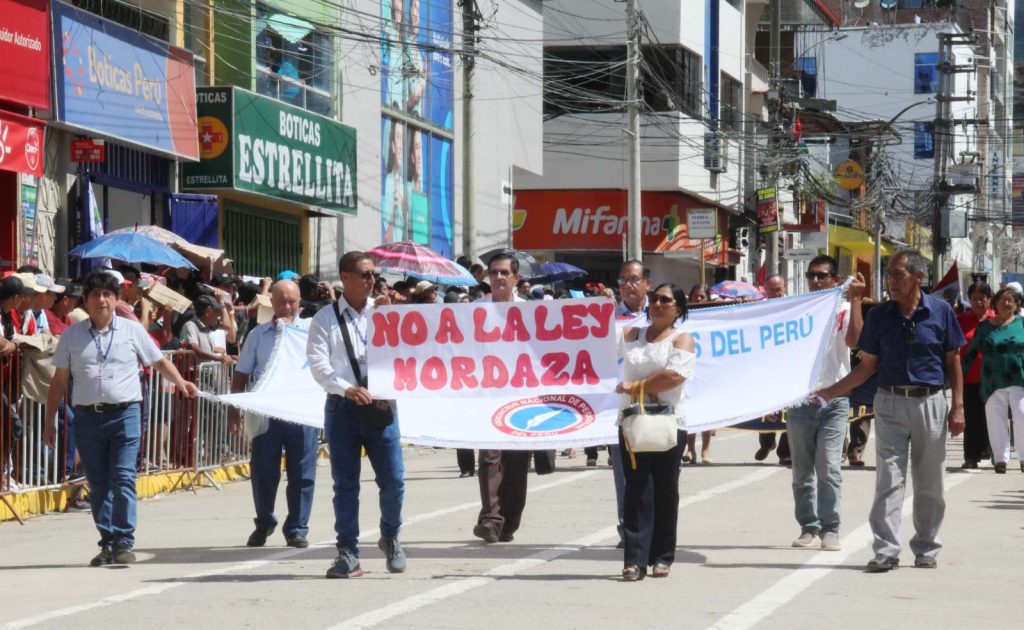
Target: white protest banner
x=756, y=358
x=287, y=389
x=489, y=349
x=753, y=359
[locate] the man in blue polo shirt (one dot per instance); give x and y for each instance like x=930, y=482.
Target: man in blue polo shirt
x=912, y=342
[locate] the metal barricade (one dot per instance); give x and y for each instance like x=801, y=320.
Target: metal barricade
x=215, y=446
x=11, y=424
x=168, y=419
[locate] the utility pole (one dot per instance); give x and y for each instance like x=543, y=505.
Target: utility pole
x=635, y=246
x=771, y=244
x=470, y=15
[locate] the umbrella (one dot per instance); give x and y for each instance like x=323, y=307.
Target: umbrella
x=420, y=262
x=198, y=254
x=736, y=289
x=529, y=268
x=556, y=272
x=132, y=247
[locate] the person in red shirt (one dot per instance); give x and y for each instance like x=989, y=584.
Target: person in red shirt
x=58, y=315
x=976, y=446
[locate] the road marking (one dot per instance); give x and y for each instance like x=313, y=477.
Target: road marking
x=426, y=598
x=157, y=589
x=756, y=610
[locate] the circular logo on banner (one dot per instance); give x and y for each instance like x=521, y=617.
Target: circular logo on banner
x=213, y=137
x=543, y=416
x=32, y=148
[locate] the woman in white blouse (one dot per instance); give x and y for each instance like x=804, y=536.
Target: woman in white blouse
x=663, y=358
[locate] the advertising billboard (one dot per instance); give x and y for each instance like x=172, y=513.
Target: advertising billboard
x=117, y=82
x=25, y=53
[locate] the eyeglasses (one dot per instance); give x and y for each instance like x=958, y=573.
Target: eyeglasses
x=661, y=299
x=909, y=331
x=630, y=281
x=817, y=275
x=499, y=273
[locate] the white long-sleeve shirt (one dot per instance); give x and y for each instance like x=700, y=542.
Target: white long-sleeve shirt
x=325, y=347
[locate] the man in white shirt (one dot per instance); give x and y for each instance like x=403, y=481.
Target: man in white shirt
x=634, y=285
x=816, y=433
x=298, y=441
x=103, y=354
x=502, y=473
x=347, y=434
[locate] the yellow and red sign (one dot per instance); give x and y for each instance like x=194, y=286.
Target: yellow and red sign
x=590, y=220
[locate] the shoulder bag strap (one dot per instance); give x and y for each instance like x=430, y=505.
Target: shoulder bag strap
x=348, y=344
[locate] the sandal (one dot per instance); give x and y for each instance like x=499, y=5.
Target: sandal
x=633, y=573
x=660, y=571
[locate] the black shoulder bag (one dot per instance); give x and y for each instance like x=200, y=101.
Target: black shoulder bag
x=379, y=413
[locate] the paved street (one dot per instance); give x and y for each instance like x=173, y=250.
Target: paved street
x=735, y=568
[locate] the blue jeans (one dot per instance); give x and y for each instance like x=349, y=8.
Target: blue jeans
x=346, y=436
x=300, y=448
x=816, y=437
x=108, y=444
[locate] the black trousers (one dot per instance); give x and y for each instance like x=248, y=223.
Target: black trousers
x=502, y=476
x=466, y=459
x=650, y=534
x=767, y=440
x=975, y=428
x=859, y=432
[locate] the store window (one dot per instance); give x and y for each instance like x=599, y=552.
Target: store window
x=294, y=61
x=807, y=71
x=926, y=73
x=924, y=140
x=731, y=100
x=581, y=79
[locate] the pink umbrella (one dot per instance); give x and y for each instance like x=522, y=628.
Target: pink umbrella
x=418, y=261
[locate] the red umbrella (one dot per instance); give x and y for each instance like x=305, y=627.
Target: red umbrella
x=421, y=262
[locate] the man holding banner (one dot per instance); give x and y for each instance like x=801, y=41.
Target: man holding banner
x=816, y=433
x=502, y=473
x=336, y=349
x=270, y=435
x=913, y=342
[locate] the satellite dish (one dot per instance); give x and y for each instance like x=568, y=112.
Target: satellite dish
x=861, y=4
x=887, y=4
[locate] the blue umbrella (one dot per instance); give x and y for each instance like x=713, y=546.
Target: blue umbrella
x=132, y=247
x=556, y=272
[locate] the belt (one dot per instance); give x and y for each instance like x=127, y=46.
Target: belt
x=911, y=391
x=105, y=407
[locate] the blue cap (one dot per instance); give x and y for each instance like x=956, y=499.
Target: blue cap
x=288, y=274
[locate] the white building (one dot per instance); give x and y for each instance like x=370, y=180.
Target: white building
x=893, y=73
x=695, y=77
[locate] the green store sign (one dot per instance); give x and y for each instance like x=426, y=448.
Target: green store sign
x=260, y=145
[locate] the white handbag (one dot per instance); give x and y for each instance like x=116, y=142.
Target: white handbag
x=648, y=428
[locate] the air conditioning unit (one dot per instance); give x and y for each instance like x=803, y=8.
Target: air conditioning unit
x=715, y=158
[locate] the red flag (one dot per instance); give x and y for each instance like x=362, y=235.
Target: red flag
x=949, y=287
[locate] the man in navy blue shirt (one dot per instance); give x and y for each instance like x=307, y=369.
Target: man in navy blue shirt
x=912, y=342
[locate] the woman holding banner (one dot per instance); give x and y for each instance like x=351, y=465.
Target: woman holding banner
x=657, y=360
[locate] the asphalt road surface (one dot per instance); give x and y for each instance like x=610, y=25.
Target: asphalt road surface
x=734, y=565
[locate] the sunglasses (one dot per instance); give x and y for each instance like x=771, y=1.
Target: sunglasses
x=366, y=275
x=630, y=281
x=661, y=299
x=909, y=331
x=817, y=275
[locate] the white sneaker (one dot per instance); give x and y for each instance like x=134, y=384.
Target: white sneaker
x=830, y=541
x=806, y=540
